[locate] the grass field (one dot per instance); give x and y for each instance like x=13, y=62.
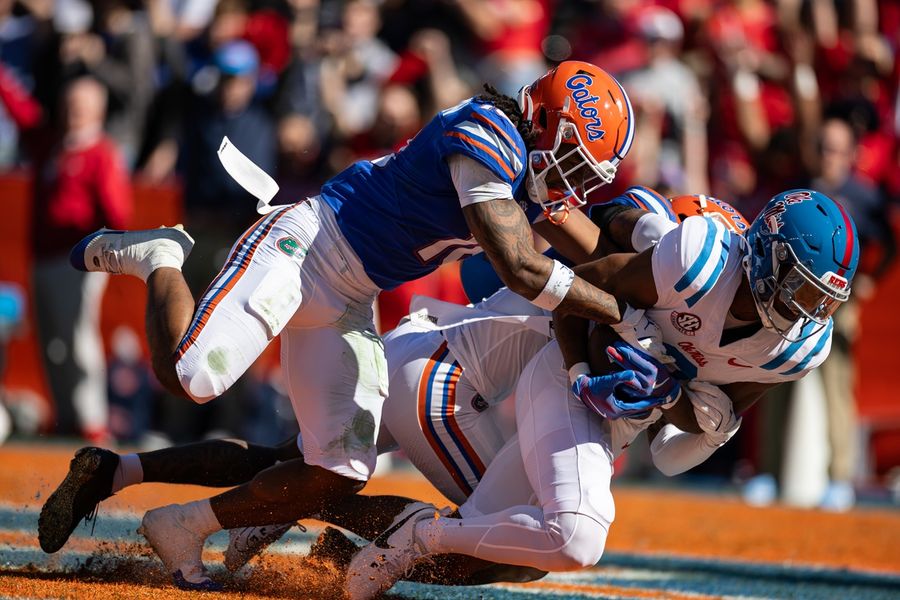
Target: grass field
x=664, y=544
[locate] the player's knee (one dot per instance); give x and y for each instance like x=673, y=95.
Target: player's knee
x=583, y=540
x=210, y=364
x=202, y=380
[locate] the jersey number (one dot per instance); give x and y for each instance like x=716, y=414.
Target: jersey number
x=446, y=251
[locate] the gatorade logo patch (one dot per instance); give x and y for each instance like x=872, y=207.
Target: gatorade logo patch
x=291, y=247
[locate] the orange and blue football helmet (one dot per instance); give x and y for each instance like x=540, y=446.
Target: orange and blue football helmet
x=585, y=127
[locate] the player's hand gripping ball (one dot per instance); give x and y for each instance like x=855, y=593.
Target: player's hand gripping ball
x=655, y=379
x=642, y=385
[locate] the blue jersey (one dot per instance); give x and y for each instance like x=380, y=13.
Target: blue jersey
x=402, y=214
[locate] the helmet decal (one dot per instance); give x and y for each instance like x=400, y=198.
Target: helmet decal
x=582, y=97
x=772, y=217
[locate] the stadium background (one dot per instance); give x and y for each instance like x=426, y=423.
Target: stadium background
x=736, y=98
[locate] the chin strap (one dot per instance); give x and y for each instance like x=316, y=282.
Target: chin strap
x=557, y=220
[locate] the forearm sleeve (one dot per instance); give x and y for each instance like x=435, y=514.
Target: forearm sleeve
x=675, y=451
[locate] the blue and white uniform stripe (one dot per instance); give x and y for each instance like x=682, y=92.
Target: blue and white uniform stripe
x=652, y=201
x=437, y=419
x=494, y=139
x=707, y=267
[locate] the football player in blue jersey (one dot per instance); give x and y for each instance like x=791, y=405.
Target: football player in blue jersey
x=479, y=176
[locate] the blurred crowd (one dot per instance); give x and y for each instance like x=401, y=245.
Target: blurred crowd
x=734, y=98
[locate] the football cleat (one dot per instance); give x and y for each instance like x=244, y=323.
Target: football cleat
x=247, y=542
x=88, y=482
x=135, y=253
x=178, y=546
x=390, y=556
x=334, y=547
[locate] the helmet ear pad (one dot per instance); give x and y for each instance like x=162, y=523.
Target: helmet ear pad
x=542, y=118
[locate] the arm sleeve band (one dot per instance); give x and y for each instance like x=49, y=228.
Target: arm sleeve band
x=474, y=182
x=556, y=288
x=603, y=214
x=675, y=451
x=649, y=229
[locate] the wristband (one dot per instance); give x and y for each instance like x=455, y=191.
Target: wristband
x=577, y=370
x=556, y=288
x=673, y=401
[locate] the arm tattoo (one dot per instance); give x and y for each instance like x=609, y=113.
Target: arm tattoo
x=503, y=231
x=585, y=300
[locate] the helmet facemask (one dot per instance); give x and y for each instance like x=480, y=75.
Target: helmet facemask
x=574, y=173
x=798, y=290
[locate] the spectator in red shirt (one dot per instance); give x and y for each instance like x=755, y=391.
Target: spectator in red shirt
x=80, y=184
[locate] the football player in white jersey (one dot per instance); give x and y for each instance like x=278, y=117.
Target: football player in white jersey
x=736, y=316
x=480, y=175
x=461, y=438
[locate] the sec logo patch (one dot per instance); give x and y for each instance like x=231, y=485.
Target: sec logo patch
x=686, y=323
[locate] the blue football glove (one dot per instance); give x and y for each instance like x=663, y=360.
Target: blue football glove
x=604, y=395
x=654, y=379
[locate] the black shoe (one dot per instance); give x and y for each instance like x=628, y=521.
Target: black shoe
x=88, y=482
x=334, y=547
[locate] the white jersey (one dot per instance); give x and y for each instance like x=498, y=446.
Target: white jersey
x=697, y=270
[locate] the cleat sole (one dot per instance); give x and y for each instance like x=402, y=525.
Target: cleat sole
x=55, y=521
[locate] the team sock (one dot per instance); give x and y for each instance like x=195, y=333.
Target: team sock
x=200, y=518
x=168, y=254
x=129, y=472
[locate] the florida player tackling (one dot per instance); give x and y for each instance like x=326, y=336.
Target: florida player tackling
x=478, y=177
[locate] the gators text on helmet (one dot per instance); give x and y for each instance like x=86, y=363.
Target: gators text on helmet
x=585, y=126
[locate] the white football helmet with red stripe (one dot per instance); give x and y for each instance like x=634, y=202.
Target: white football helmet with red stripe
x=585, y=126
